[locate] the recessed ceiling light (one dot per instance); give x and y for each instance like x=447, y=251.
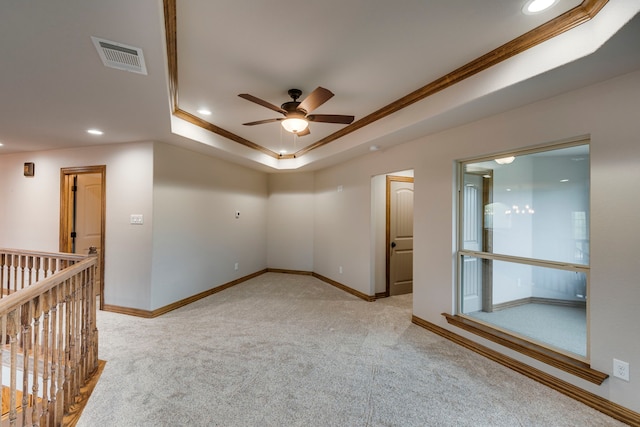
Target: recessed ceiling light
x=564, y=180
x=283, y=152
x=531, y=7
x=204, y=112
x=95, y=131
x=1, y=144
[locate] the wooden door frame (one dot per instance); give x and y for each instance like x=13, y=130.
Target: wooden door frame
x=390, y=179
x=65, y=210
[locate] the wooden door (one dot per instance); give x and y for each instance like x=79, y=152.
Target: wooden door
x=88, y=206
x=399, y=235
x=82, y=213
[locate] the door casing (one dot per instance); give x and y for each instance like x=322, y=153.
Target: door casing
x=66, y=213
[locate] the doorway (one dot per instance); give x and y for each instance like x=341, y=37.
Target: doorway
x=399, y=235
x=82, y=213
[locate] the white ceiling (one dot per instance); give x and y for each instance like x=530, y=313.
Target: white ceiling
x=369, y=53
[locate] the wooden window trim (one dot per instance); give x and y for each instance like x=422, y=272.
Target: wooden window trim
x=557, y=360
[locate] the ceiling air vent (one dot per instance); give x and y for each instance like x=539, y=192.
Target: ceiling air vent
x=120, y=56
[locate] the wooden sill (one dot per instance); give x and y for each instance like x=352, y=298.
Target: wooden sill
x=558, y=360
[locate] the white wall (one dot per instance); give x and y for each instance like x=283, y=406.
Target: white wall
x=30, y=211
x=197, y=240
x=290, y=218
x=608, y=113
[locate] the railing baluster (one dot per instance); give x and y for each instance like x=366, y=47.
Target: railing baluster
x=3, y=330
x=10, y=268
x=36, y=359
x=23, y=265
x=13, y=324
x=61, y=384
x=46, y=301
x=25, y=320
x=54, y=354
x=47, y=317
x=2, y=268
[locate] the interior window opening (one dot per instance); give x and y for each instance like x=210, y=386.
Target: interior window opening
x=524, y=246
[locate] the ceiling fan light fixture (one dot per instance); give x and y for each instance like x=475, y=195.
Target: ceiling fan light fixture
x=532, y=7
x=505, y=160
x=294, y=124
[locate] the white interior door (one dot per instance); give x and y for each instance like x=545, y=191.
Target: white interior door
x=88, y=210
x=400, y=236
x=472, y=240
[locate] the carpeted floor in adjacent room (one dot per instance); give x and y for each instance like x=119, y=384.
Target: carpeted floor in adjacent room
x=290, y=350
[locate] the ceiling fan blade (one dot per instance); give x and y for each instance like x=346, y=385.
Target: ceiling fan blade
x=330, y=118
x=262, y=102
x=304, y=132
x=259, y=122
x=315, y=99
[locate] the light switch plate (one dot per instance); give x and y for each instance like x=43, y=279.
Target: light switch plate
x=136, y=219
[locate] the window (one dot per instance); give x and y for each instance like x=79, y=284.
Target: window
x=523, y=250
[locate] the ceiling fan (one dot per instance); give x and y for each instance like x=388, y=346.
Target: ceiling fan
x=296, y=113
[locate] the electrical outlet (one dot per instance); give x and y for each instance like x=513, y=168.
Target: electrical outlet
x=621, y=369
x=340, y=269
x=236, y=266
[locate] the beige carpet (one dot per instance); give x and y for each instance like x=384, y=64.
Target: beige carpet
x=288, y=350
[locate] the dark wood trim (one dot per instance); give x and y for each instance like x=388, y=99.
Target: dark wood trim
x=127, y=310
x=178, y=304
x=284, y=271
x=559, y=25
x=171, y=38
x=537, y=300
x=64, y=214
x=149, y=314
x=195, y=120
x=601, y=404
x=557, y=360
x=382, y=295
x=345, y=288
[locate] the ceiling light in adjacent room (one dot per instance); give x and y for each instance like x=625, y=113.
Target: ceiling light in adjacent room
x=204, y=112
x=505, y=160
x=95, y=132
x=532, y=7
x=294, y=125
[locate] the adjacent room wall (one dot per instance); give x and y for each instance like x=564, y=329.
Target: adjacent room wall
x=197, y=239
x=290, y=219
x=30, y=211
x=607, y=113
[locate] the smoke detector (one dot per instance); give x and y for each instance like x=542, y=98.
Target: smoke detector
x=120, y=56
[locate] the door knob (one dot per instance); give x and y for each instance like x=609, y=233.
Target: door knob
x=393, y=244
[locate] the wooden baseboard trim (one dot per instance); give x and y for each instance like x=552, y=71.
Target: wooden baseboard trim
x=284, y=271
x=347, y=289
x=382, y=295
x=186, y=301
x=558, y=360
x=537, y=300
x=601, y=404
x=149, y=314
x=127, y=311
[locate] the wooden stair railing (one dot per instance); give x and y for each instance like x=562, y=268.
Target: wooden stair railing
x=49, y=335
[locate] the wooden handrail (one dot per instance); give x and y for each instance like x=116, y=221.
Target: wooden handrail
x=48, y=333
x=59, y=255
x=17, y=299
